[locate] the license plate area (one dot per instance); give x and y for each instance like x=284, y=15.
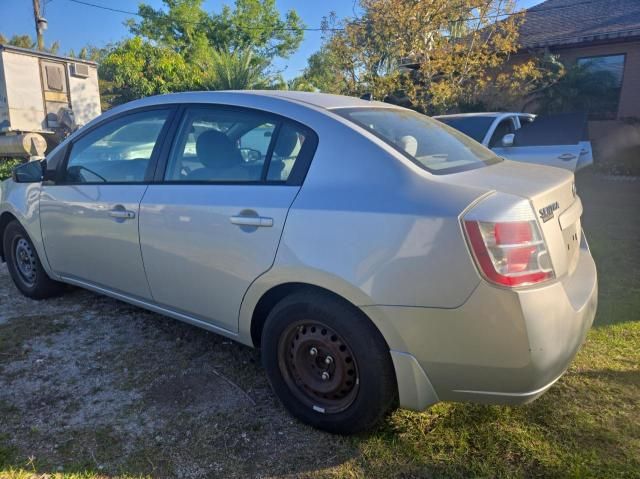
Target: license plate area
x=572, y=237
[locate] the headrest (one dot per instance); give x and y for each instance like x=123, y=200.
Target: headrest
x=286, y=142
x=214, y=150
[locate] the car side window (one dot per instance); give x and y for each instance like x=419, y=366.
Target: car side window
x=287, y=149
x=254, y=144
x=118, y=151
x=504, y=128
x=217, y=145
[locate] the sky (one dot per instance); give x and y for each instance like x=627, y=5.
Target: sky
x=75, y=25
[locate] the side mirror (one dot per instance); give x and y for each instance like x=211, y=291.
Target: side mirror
x=507, y=140
x=249, y=155
x=31, y=172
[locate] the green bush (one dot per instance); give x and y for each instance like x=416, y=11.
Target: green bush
x=7, y=166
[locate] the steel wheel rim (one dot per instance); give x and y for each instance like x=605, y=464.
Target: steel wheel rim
x=318, y=366
x=25, y=261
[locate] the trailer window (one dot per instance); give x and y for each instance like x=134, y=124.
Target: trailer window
x=54, y=78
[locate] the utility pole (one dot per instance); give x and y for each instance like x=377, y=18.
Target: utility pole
x=41, y=24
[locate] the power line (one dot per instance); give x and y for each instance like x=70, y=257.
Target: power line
x=129, y=12
x=320, y=29
x=103, y=7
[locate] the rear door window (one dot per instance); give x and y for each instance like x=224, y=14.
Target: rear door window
x=218, y=145
x=287, y=149
x=555, y=129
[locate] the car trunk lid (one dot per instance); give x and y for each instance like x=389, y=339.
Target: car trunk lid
x=551, y=192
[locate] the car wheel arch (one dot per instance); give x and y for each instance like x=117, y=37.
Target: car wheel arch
x=5, y=219
x=278, y=292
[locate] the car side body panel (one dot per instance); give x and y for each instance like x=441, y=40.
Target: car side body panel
x=84, y=242
x=21, y=200
x=559, y=156
x=348, y=232
x=196, y=260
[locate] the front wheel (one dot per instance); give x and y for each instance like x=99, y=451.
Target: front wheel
x=24, y=265
x=327, y=363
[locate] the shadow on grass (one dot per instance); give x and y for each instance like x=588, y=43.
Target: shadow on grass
x=575, y=430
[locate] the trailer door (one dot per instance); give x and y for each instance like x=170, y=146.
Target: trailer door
x=55, y=89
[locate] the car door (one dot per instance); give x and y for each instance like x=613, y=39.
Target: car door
x=554, y=140
x=211, y=224
x=89, y=214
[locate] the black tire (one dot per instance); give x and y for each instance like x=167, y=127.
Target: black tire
x=24, y=265
x=345, y=403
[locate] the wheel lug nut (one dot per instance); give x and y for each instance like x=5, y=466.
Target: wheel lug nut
x=328, y=360
x=313, y=352
x=325, y=376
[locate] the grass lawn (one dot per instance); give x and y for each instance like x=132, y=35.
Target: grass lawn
x=587, y=425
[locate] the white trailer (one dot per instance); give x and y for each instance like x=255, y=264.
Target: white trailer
x=43, y=97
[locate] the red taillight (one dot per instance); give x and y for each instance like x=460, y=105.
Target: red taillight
x=509, y=253
x=513, y=232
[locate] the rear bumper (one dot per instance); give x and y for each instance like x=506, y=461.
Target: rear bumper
x=501, y=347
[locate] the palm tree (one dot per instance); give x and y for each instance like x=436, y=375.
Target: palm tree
x=236, y=70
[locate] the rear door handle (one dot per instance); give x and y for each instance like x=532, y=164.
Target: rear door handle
x=122, y=214
x=256, y=221
x=566, y=157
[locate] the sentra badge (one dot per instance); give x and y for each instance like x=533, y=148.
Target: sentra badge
x=546, y=213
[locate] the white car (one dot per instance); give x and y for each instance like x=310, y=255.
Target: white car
x=555, y=140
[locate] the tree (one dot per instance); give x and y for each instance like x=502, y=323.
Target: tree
x=198, y=50
x=22, y=41
x=322, y=71
x=235, y=71
x=25, y=41
x=253, y=25
x=454, y=50
x=136, y=69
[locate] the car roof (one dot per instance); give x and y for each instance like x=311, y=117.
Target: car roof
x=264, y=99
x=322, y=100
x=483, y=114
x=318, y=100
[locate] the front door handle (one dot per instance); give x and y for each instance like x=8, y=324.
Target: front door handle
x=122, y=214
x=566, y=157
x=256, y=221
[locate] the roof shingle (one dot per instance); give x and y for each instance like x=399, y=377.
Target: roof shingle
x=565, y=22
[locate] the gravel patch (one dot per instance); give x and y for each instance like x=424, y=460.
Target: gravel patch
x=88, y=383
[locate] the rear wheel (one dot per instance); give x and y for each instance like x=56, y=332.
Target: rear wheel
x=327, y=363
x=25, y=267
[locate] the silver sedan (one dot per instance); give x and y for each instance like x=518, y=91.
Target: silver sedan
x=377, y=257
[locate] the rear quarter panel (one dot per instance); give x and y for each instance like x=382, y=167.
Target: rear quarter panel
x=374, y=228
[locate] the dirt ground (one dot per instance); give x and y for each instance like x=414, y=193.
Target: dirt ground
x=90, y=383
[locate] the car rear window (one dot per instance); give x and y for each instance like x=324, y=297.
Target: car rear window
x=428, y=143
x=474, y=126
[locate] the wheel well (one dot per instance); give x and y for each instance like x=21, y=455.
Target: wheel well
x=5, y=219
x=277, y=293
